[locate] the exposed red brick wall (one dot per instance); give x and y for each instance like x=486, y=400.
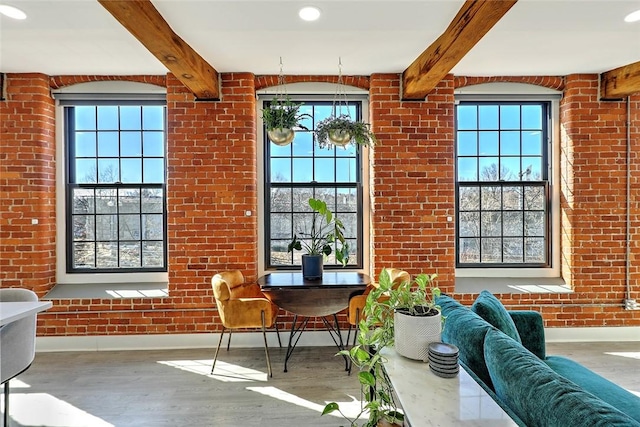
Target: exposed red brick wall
x=27, y=184
x=361, y=82
x=593, y=203
x=212, y=181
x=634, y=136
x=414, y=236
x=551, y=82
x=57, y=82
x=413, y=179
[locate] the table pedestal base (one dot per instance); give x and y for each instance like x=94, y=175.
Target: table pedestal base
x=298, y=329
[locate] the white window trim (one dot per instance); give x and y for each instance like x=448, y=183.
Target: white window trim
x=83, y=91
x=525, y=92
x=321, y=92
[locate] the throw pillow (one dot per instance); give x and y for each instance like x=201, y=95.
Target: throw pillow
x=491, y=309
x=465, y=329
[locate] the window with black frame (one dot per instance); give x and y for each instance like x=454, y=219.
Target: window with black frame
x=502, y=184
x=300, y=170
x=116, y=209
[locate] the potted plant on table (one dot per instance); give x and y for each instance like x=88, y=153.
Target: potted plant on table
x=280, y=118
x=326, y=230
x=342, y=130
x=377, y=330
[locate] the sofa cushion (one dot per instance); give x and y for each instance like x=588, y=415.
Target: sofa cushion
x=491, y=309
x=465, y=329
x=531, y=330
x=539, y=396
x=611, y=393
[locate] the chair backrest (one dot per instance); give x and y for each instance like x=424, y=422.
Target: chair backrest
x=223, y=284
x=398, y=277
x=17, y=339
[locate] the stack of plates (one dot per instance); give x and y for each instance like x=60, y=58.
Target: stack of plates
x=443, y=359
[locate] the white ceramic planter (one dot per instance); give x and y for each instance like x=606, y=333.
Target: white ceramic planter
x=413, y=334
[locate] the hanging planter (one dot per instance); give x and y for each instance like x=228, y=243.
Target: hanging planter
x=280, y=136
x=339, y=128
x=280, y=118
x=340, y=137
x=342, y=130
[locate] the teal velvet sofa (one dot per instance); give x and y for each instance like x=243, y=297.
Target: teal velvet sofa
x=504, y=351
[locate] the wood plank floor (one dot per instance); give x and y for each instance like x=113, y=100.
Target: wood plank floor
x=174, y=388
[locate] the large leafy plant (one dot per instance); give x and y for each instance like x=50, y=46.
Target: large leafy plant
x=326, y=230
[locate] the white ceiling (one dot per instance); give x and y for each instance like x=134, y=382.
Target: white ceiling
x=536, y=37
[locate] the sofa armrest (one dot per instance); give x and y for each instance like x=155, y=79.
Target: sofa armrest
x=531, y=330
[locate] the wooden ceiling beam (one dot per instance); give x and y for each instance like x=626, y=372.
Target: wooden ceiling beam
x=473, y=21
x=620, y=82
x=146, y=24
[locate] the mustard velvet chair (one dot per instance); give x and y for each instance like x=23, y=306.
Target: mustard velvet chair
x=357, y=302
x=17, y=343
x=242, y=305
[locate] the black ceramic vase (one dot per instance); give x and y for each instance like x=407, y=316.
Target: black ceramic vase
x=312, y=267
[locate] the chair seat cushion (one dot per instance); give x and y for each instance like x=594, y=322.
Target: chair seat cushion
x=247, y=313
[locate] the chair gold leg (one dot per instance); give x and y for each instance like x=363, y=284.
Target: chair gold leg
x=355, y=337
x=357, y=328
x=229, y=340
x=215, y=357
x=266, y=347
x=278, y=333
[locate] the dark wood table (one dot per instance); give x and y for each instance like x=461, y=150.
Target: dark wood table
x=313, y=298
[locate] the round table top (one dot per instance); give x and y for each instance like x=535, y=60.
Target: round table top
x=313, y=298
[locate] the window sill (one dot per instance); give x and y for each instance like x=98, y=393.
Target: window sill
x=108, y=290
x=512, y=285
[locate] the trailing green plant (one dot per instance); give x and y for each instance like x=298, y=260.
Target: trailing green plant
x=416, y=299
x=326, y=230
x=360, y=132
x=375, y=332
x=283, y=114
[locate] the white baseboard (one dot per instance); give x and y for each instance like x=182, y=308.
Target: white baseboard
x=254, y=339
x=593, y=334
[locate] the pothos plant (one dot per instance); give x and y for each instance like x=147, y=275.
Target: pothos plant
x=326, y=229
x=375, y=332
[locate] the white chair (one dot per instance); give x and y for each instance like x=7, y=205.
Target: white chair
x=17, y=343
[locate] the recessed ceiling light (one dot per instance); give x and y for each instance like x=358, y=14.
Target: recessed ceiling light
x=309, y=13
x=633, y=17
x=12, y=12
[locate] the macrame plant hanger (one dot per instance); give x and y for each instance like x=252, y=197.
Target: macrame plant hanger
x=280, y=134
x=281, y=90
x=340, y=137
x=340, y=97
